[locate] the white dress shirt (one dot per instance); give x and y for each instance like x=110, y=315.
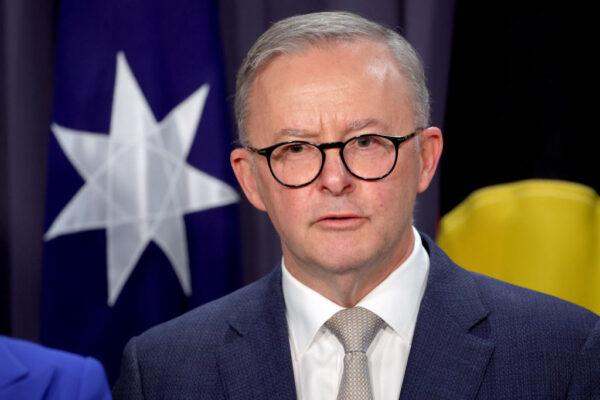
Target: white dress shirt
x=318, y=356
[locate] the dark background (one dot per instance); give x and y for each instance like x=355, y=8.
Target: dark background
x=510, y=87
x=521, y=102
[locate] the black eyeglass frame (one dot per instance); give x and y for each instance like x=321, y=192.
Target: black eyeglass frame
x=396, y=140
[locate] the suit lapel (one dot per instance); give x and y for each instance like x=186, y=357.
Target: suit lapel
x=257, y=363
x=447, y=361
x=11, y=369
x=17, y=381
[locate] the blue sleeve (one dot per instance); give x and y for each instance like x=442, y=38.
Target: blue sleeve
x=94, y=384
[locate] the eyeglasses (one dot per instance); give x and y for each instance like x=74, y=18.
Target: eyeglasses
x=369, y=157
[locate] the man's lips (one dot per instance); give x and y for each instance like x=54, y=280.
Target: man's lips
x=340, y=220
x=338, y=216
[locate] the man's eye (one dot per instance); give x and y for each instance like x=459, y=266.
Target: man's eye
x=295, y=148
x=364, y=141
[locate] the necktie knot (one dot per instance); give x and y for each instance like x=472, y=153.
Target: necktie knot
x=355, y=328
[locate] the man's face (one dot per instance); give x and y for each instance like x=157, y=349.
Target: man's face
x=338, y=223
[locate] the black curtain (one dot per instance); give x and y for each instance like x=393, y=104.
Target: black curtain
x=520, y=101
x=26, y=60
x=4, y=272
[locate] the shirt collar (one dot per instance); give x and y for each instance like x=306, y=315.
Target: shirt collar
x=395, y=300
x=306, y=310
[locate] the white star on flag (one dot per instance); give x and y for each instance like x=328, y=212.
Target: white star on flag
x=138, y=185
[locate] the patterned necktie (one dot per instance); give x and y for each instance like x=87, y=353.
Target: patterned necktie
x=355, y=328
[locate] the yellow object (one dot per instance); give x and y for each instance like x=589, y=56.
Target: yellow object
x=540, y=234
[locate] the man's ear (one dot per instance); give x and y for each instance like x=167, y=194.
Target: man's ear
x=430, y=150
x=242, y=164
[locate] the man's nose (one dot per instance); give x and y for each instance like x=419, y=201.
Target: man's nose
x=334, y=177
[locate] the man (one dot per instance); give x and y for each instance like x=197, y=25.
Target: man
x=29, y=371
x=333, y=117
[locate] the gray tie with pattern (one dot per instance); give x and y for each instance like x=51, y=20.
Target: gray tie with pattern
x=355, y=328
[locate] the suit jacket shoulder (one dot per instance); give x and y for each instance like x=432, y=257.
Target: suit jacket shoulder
x=234, y=347
x=30, y=371
x=477, y=337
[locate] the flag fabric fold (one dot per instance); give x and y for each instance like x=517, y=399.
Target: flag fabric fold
x=141, y=208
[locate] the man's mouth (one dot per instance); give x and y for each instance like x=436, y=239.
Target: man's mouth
x=340, y=221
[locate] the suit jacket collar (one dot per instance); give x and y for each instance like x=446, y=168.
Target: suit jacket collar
x=446, y=359
x=17, y=380
x=256, y=363
x=11, y=369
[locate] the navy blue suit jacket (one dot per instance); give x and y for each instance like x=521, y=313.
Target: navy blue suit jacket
x=475, y=338
x=29, y=371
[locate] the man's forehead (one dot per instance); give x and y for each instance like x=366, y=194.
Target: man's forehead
x=340, y=88
x=326, y=66
x=375, y=48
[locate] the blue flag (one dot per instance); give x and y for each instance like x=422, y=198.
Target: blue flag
x=142, y=217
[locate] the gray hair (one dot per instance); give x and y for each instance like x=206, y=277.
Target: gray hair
x=293, y=34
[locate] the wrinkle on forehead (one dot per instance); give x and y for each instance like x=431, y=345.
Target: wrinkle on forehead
x=352, y=126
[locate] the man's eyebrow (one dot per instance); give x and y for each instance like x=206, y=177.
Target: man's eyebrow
x=353, y=126
x=295, y=133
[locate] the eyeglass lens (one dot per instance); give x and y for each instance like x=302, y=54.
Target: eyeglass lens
x=368, y=157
